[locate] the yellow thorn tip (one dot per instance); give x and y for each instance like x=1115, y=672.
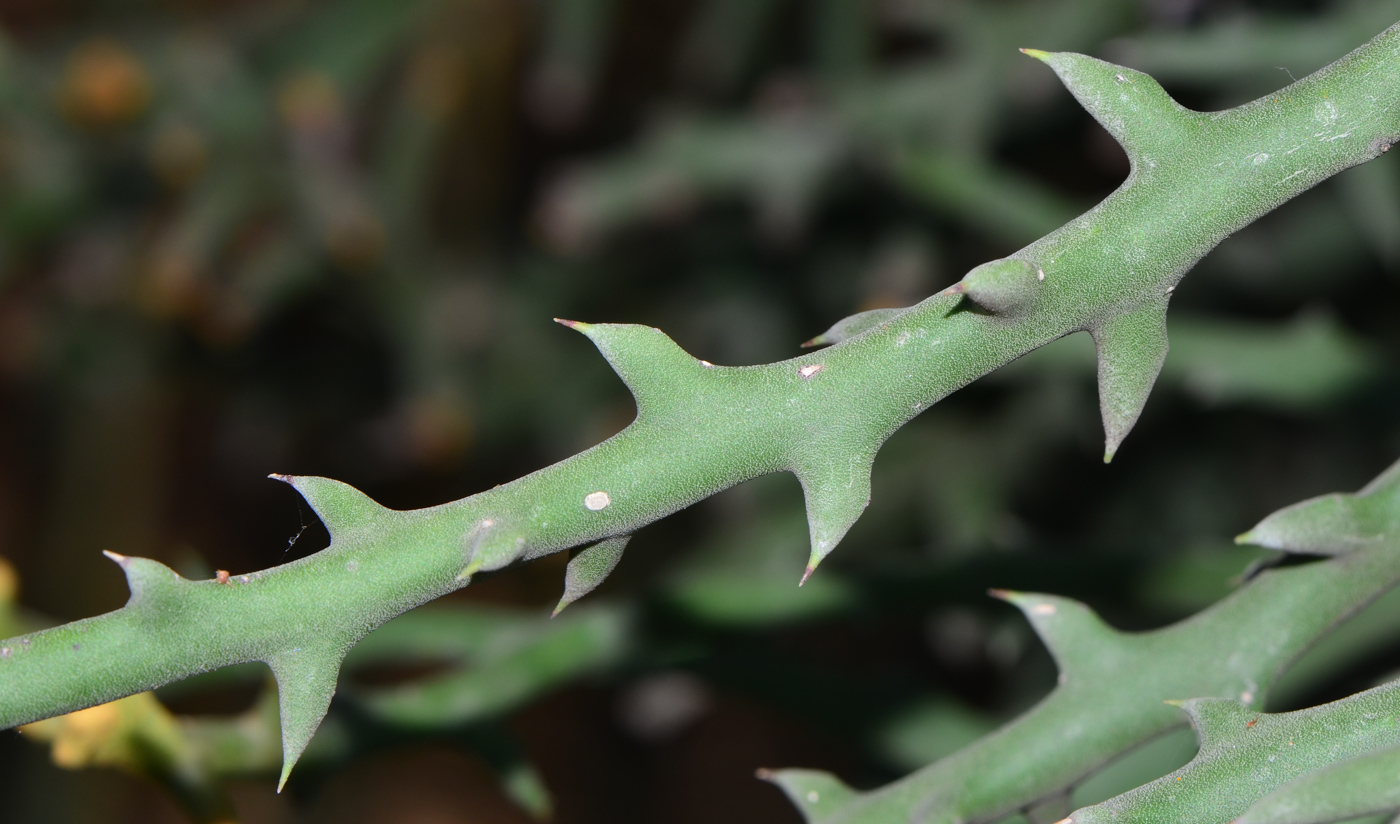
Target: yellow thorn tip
x=574, y=324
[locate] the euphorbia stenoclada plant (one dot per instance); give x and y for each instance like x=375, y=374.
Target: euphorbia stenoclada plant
x=1195, y=178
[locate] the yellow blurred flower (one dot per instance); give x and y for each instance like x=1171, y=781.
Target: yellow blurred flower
x=104, y=85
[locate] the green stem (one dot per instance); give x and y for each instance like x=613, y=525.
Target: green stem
x=1195, y=179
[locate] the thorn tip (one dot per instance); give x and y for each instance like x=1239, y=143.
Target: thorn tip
x=115, y=556
x=469, y=570
x=807, y=574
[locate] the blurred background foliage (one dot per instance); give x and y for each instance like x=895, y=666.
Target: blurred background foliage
x=251, y=236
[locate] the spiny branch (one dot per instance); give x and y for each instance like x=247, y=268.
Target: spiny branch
x=701, y=428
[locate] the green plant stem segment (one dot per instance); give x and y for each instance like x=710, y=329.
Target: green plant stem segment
x=1112, y=690
x=1334, y=762
x=1113, y=686
x=700, y=428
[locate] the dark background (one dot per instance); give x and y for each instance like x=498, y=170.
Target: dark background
x=328, y=238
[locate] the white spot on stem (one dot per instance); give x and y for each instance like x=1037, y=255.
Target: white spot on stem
x=811, y=369
x=352, y=566
x=1043, y=609
x=597, y=500
x=813, y=796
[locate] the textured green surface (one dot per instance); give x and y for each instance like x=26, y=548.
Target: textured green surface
x=1246, y=754
x=589, y=567
x=1336, y=523
x=700, y=428
x=1112, y=688
x=1348, y=789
